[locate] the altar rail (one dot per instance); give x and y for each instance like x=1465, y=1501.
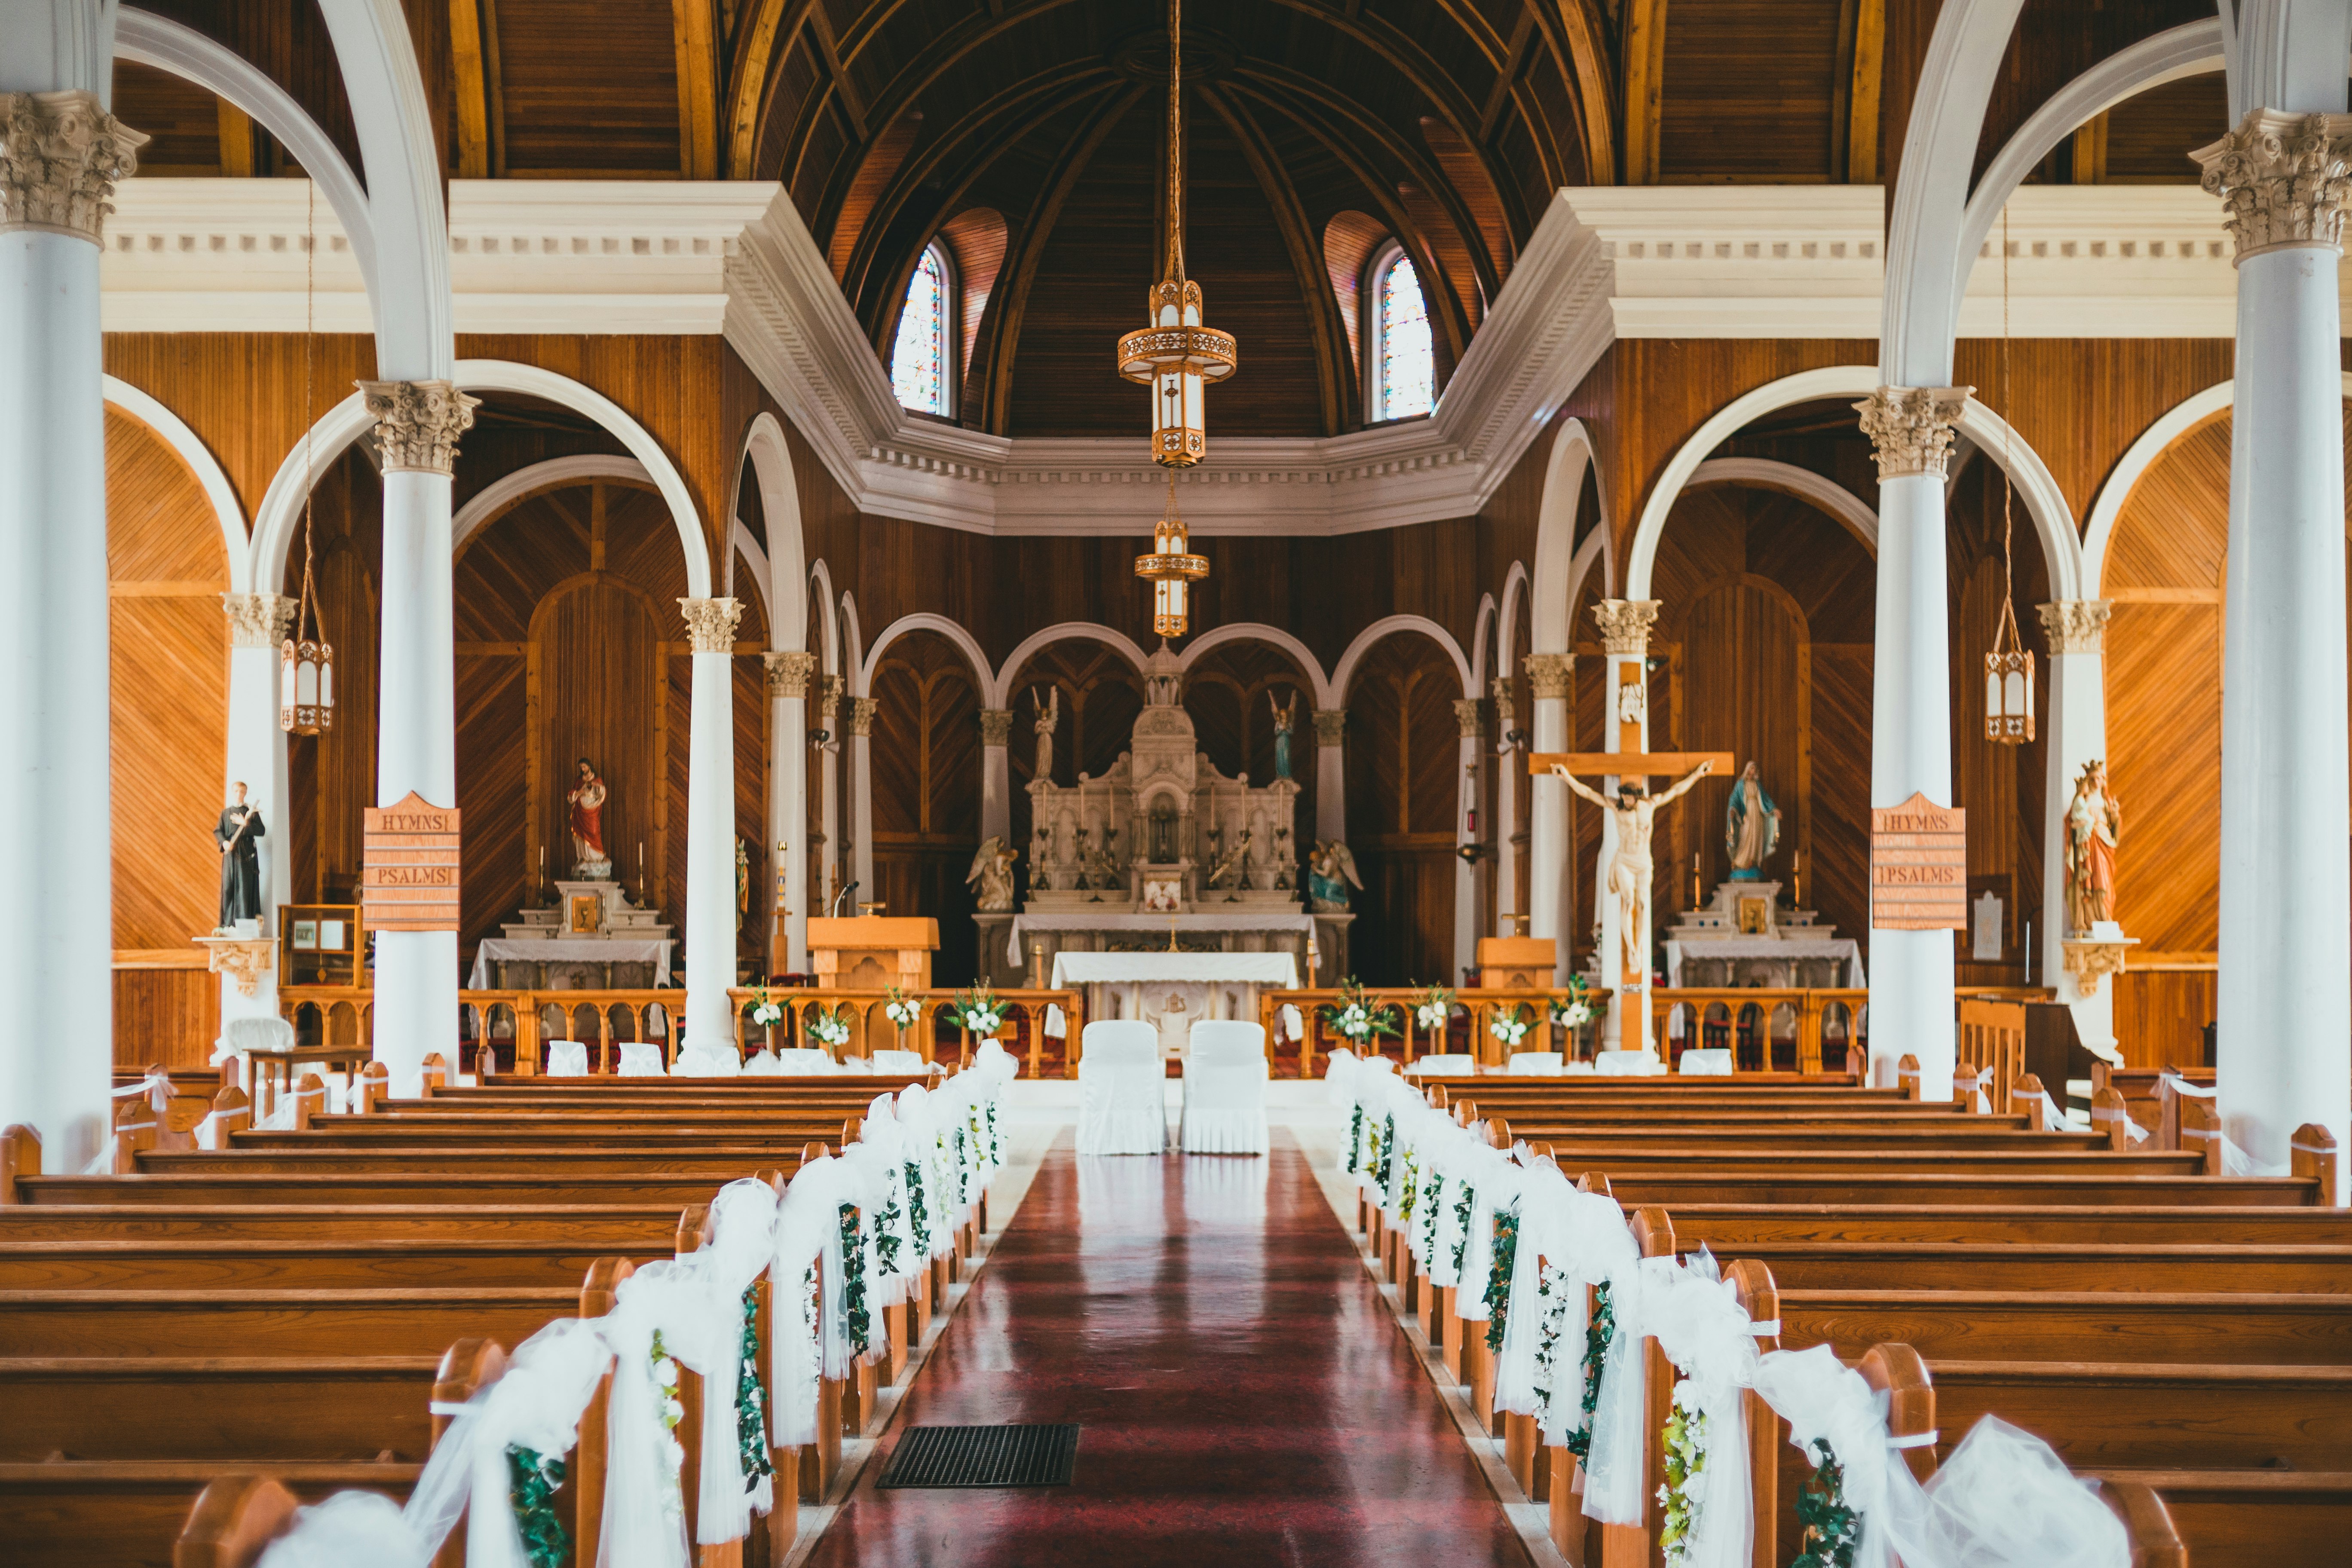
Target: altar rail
x=1465, y=1031
x=1758, y=1025
x=519, y=1023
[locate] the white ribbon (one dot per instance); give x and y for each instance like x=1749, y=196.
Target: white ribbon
x=808, y=1232
x=644, y=1511
x=1700, y=1325
x=742, y=1246
x=1826, y=1403
x=2235, y=1161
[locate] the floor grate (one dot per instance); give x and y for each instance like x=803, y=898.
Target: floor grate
x=984, y=1457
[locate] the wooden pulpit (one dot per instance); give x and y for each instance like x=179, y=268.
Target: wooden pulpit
x=1516, y=962
x=872, y=952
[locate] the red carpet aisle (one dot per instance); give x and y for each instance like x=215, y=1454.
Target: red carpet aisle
x=1246, y=1397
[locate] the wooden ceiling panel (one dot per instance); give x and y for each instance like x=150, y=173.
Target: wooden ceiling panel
x=590, y=99
x=181, y=119
x=2150, y=137
x=1747, y=92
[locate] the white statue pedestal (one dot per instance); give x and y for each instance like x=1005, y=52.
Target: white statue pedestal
x=2091, y=957
x=247, y=966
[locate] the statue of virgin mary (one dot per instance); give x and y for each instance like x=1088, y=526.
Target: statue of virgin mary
x=1751, y=827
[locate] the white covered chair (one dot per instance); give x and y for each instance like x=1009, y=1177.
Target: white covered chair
x=1459, y=1064
x=802, y=1062
x=641, y=1059
x=1712, y=1062
x=709, y=1061
x=1627, y=1064
x=900, y=1061
x=762, y=1063
x=567, y=1058
x=1536, y=1064
x=1225, y=1088
x=1122, y=1089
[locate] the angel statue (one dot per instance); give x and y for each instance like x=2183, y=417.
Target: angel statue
x=1234, y=863
x=1285, y=717
x=992, y=872
x=1327, y=892
x=1751, y=827
x=1049, y=715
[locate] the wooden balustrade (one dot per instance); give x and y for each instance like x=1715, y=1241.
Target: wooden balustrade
x=1474, y=1008
x=1742, y=1020
x=871, y=1030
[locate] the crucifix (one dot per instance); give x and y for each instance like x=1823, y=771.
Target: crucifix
x=1635, y=814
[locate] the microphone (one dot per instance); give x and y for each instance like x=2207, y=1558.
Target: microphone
x=848, y=888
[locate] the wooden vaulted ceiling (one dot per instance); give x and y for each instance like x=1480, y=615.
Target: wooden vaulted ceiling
x=1027, y=134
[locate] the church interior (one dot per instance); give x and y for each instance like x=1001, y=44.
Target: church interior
x=1571, y=741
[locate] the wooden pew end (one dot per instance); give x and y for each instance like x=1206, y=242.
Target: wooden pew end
x=696, y=1228
x=2155, y=1544
x=1653, y=1232
x=1897, y=1370
x=235, y=1518
x=2109, y=1115
x=1907, y=1076
x=2311, y=1154
x=1594, y=1182
x=20, y=1156
x=374, y=1086
x=436, y=1073
x=2200, y=1133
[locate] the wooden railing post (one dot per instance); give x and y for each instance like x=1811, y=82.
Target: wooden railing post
x=2200, y=1134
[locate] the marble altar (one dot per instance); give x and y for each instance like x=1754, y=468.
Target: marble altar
x=591, y=938
x=1173, y=991
x=1742, y=937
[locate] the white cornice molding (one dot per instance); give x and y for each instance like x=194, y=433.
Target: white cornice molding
x=733, y=259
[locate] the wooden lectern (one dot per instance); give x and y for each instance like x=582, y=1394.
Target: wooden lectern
x=872, y=952
x=1516, y=962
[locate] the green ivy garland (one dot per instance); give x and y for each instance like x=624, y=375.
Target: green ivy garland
x=1386, y=1149
x=1411, y=1190
x=1597, y=1334
x=1686, y=1442
x=1499, y=1277
x=853, y=1281
x=1462, y=1206
x=751, y=1399
x=532, y=1478
x=1356, y=1140
x=885, y=1235
x=1832, y=1537
x=917, y=1211
x=1433, y=1203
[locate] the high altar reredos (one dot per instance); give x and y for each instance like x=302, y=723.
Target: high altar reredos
x=1162, y=847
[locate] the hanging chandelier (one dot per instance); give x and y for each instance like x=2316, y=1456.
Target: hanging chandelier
x=2009, y=668
x=1176, y=357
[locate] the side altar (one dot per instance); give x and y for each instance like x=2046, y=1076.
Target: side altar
x=1162, y=852
x=1742, y=937
x=590, y=937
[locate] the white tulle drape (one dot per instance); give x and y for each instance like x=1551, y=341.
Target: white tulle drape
x=645, y=1505
x=742, y=1246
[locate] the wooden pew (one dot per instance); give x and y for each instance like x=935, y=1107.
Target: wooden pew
x=1728, y=1228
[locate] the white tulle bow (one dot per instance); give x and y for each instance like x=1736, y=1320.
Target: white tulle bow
x=742, y=1246
x=1700, y=1325
x=645, y=1506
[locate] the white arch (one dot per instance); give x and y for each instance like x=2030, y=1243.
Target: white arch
x=1384, y=626
x=740, y=541
x=829, y=656
x=1515, y=588
x=174, y=432
x=281, y=508
x=923, y=621
x=1482, y=636
x=1816, y=490
x=1257, y=631
x=853, y=653
x=771, y=457
x=510, y=489
x=2053, y=520
x=1550, y=629
x=998, y=690
x=2107, y=510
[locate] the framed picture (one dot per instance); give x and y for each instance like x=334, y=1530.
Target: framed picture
x=306, y=936
x=331, y=937
x=587, y=912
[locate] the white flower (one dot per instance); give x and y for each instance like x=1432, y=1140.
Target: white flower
x=673, y=1410
x=1578, y=1015
x=665, y=1372
x=1430, y=1016
x=676, y=1454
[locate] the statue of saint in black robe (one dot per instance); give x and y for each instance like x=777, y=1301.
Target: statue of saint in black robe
x=240, y=885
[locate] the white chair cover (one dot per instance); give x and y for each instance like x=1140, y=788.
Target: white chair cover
x=567, y=1058
x=709, y=1061
x=243, y=1036
x=762, y=1063
x=1122, y=1089
x=1714, y=1061
x=1571, y=1068
x=899, y=1061
x=641, y=1059
x=802, y=1062
x=1626, y=1064
x=1456, y=1065
x=1536, y=1064
x=1225, y=1088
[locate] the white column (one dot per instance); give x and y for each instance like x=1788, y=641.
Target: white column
x=1547, y=844
x=788, y=683
x=710, y=911
x=1507, y=810
x=2285, y=926
x=258, y=622
x=1330, y=774
x=417, y=424
x=861, y=787
x=829, y=813
x=1911, y=709
x=996, y=774
x=1465, y=872
x=57, y=925
x=2077, y=734
x=1625, y=726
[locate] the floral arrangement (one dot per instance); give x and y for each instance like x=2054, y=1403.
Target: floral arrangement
x=853, y=1281
x=1499, y=1278
x=1412, y=1189
x=1576, y=1009
x=1433, y=1008
x=1832, y=1536
x=829, y=1029
x=1552, y=1286
x=1511, y=1027
x=1685, y=1482
x=1599, y=1331
x=1357, y=1016
x=917, y=1212
x=672, y=1411
x=766, y=1011
x=903, y=1011
x=750, y=1400
x=979, y=1011
x=532, y=1480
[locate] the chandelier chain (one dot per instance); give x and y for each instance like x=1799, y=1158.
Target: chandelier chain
x=1175, y=140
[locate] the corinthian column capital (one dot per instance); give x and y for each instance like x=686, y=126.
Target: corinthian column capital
x=259, y=620
x=828, y=698
x=861, y=715
x=417, y=424
x=710, y=624
x=61, y=155
x=2281, y=178
x=1547, y=674
x=995, y=726
x=787, y=673
x=2076, y=626
x=1911, y=426
x=1467, y=714
x=1625, y=624
x=1331, y=726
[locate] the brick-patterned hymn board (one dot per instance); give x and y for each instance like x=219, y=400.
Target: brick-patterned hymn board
x=1918, y=866
x=410, y=881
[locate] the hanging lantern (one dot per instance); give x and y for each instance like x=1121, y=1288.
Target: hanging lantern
x=306, y=660
x=1172, y=568
x=2009, y=685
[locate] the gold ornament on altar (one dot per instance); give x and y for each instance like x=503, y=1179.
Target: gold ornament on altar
x=1176, y=357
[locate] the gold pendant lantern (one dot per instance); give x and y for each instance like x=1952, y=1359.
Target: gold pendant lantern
x=1176, y=357
x=2009, y=668
x=305, y=661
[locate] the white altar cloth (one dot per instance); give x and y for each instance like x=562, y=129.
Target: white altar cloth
x=1287, y=918
x=1844, y=949
x=1173, y=991
x=568, y=949
x=1275, y=969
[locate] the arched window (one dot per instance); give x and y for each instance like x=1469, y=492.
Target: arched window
x=1399, y=370
x=923, y=363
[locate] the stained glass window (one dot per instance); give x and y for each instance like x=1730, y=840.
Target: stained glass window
x=919, y=362
x=1407, y=371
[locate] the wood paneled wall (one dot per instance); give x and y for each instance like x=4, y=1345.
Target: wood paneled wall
x=1404, y=776
x=925, y=763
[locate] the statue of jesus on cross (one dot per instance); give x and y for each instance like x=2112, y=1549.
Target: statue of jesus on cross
x=1631, y=871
